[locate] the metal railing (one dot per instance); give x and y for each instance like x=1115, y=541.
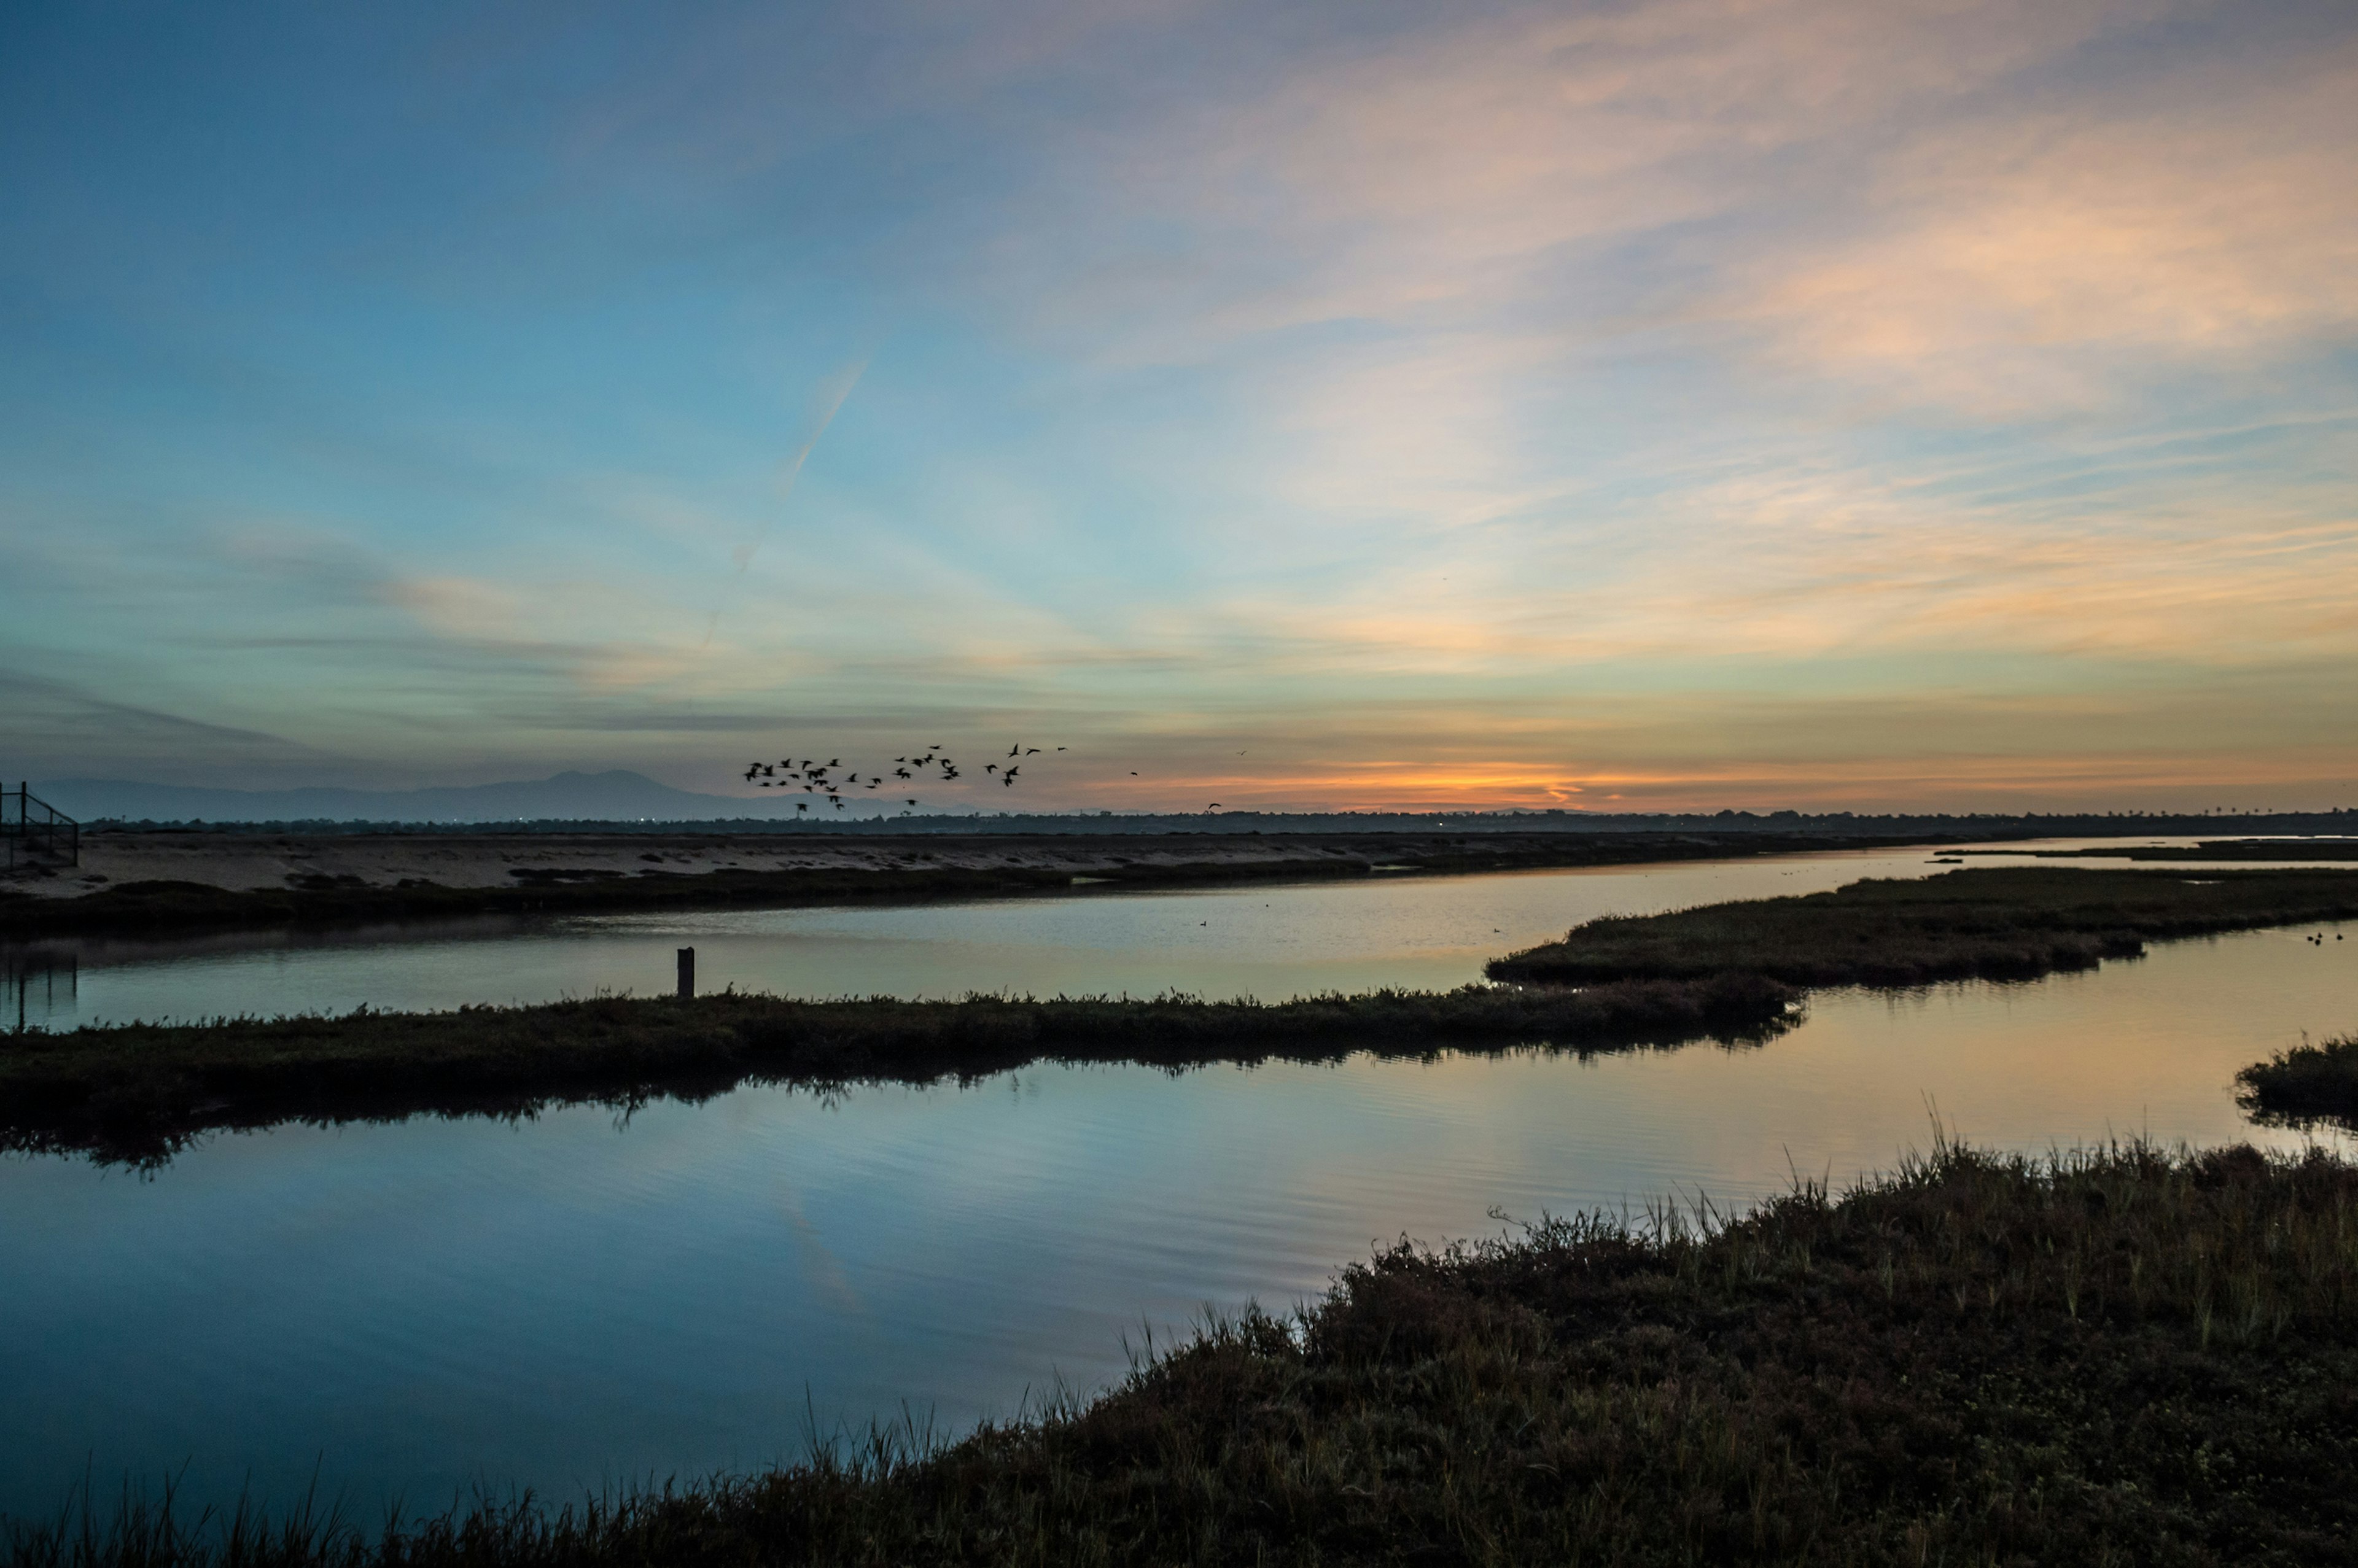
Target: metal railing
x=34, y=833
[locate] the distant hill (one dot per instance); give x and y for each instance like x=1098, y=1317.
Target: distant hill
x=616, y=796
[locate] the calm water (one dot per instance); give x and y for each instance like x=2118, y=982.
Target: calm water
x=575, y=1301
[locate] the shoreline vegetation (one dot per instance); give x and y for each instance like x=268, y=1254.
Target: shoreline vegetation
x=2219, y=849
x=2308, y=1085
x=2003, y=923
x=138, y=1093
x=554, y=874
x=2116, y=1355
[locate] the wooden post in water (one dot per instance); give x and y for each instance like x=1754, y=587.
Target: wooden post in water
x=686, y=974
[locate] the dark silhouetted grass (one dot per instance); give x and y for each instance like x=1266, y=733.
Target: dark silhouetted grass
x=137, y=1092
x=2309, y=1082
x=2209, y=849
x=1997, y=922
x=2111, y=1358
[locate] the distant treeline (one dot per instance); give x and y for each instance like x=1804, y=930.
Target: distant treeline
x=1842, y=824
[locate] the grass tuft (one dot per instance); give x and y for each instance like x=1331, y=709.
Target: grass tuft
x=2307, y=1083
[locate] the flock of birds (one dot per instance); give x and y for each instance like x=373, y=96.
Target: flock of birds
x=819, y=779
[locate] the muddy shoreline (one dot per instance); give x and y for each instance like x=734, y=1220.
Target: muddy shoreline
x=150, y=884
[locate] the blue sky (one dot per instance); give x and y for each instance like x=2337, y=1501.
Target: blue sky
x=1701, y=402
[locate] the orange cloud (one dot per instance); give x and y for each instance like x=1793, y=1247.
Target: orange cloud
x=2009, y=264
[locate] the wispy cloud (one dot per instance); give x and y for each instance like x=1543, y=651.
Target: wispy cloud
x=1506, y=402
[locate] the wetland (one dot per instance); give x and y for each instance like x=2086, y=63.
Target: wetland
x=601, y=1285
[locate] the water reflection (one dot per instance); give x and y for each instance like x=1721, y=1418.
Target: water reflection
x=41, y=984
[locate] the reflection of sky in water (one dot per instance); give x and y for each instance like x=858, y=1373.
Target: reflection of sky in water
x=570, y=1300
x=1271, y=942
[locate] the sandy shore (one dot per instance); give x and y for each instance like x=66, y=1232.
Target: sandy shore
x=242, y=863
x=153, y=881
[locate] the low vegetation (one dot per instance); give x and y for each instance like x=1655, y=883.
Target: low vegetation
x=2117, y=1356
x=2309, y=1082
x=2209, y=849
x=138, y=1092
x=1992, y=923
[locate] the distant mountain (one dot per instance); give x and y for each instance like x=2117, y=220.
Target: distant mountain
x=616, y=796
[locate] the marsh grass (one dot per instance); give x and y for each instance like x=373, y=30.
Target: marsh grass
x=2116, y=1356
x=1994, y=923
x=2336, y=848
x=138, y=1092
x=2309, y=1082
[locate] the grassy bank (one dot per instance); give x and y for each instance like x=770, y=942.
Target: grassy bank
x=2227, y=849
x=1996, y=923
x=138, y=1092
x=2116, y=1357
x=2306, y=1082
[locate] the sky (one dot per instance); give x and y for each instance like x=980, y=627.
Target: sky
x=1673, y=404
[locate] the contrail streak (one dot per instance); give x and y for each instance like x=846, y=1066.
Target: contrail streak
x=824, y=405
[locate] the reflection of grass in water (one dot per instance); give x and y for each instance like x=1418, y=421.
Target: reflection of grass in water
x=138, y=1092
x=2308, y=1084
x=2113, y=1355
x=2009, y=922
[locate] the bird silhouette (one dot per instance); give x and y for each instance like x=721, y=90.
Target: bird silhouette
x=1016, y=750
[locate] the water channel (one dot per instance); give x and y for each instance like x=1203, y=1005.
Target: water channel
x=582, y=1300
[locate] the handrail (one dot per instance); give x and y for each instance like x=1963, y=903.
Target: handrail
x=34, y=831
